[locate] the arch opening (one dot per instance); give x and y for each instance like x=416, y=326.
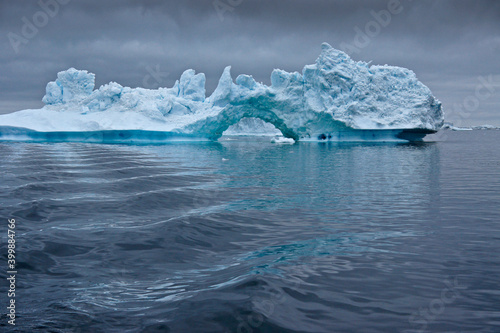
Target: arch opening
x=252, y=126
x=217, y=125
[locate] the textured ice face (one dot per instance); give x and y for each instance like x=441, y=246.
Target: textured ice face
x=333, y=95
x=372, y=97
x=71, y=85
x=192, y=86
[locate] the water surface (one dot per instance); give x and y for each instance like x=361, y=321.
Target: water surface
x=249, y=236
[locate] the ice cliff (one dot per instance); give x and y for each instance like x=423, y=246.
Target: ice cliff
x=334, y=95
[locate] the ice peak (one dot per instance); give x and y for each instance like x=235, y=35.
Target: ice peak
x=325, y=46
x=71, y=84
x=330, y=56
x=192, y=86
x=222, y=93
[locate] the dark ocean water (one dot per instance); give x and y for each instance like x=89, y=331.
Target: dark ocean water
x=249, y=236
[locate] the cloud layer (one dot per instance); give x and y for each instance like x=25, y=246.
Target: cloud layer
x=452, y=46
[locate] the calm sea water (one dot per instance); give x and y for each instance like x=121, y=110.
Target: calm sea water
x=249, y=236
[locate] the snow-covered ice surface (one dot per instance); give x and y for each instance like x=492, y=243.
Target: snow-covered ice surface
x=336, y=98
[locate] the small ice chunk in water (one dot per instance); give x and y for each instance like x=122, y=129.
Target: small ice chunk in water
x=282, y=140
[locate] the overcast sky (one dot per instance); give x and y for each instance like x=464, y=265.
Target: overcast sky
x=452, y=46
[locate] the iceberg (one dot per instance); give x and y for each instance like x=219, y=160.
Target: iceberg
x=336, y=99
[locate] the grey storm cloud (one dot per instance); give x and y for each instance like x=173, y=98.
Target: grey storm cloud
x=452, y=46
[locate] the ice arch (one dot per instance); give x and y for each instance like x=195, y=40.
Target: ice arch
x=214, y=127
x=285, y=104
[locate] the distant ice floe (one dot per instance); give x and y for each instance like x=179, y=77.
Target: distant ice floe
x=450, y=126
